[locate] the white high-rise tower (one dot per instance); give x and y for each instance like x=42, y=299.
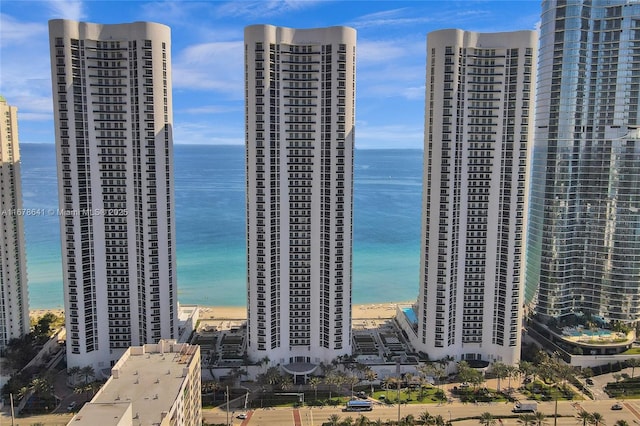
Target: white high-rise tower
x=478, y=133
x=14, y=304
x=300, y=93
x=114, y=148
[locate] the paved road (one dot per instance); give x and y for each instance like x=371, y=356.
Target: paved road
x=454, y=411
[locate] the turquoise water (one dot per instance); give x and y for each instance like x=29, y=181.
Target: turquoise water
x=591, y=333
x=411, y=315
x=210, y=215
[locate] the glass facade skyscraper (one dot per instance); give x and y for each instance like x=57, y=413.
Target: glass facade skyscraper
x=584, y=228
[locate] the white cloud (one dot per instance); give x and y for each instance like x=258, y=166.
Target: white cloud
x=66, y=9
x=213, y=109
x=15, y=32
x=260, y=9
x=422, y=14
x=385, y=50
x=216, y=66
x=414, y=93
x=207, y=133
x=35, y=116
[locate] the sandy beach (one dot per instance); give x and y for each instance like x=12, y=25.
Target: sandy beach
x=360, y=311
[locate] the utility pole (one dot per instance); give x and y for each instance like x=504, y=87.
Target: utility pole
x=227, y=394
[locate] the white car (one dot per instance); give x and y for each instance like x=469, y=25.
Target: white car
x=241, y=416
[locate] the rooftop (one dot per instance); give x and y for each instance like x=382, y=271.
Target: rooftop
x=147, y=381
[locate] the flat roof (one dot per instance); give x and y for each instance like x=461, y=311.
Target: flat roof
x=150, y=382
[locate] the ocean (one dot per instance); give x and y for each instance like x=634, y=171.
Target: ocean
x=210, y=230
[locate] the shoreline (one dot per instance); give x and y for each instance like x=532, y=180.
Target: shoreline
x=212, y=312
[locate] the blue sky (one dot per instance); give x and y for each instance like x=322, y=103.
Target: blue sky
x=207, y=55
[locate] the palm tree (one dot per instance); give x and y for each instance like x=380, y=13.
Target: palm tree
x=439, y=420
x=22, y=392
x=597, y=419
x=487, y=419
x=430, y=421
x=583, y=417
x=408, y=420
x=408, y=378
x=87, y=372
x=362, y=421
x=526, y=368
x=333, y=378
x=526, y=419
x=264, y=361
x=314, y=382
x=424, y=417
x=512, y=371
x=500, y=370
x=351, y=380
x=348, y=421
x=370, y=376
x=334, y=420
x=633, y=363
x=390, y=382
x=377, y=422
x=621, y=423
x=541, y=419
x=73, y=372
x=286, y=383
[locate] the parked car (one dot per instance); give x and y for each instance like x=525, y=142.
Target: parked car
x=616, y=406
x=71, y=406
x=589, y=382
x=241, y=416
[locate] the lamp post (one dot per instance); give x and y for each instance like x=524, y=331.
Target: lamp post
x=227, y=395
x=555, y=414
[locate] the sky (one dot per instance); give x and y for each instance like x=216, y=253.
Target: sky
x=207, y=57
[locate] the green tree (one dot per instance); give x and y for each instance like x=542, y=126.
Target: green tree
x=334, y=420
x=425, y=417
x=348, y=421
x=370, y=376
x=500, y=370
x=597, y=419
x=487, y=419
x=408, y=420
x=512, y=371
x=87, y=372
x=541, y=419
x=526, y=419
x=633, y=363
x=583, y=417
x=350, y=381
x=73, y=372
x=286, y=382
x=362, y=421
x=46, y=324
x=621, y=423
x=314, y=382
x=526, y=368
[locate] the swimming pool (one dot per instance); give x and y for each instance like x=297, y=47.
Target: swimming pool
x=410, y=314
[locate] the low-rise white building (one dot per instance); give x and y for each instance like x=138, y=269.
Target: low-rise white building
x=155, y=384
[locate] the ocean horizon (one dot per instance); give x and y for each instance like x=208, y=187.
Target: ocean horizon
x=209, y=186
